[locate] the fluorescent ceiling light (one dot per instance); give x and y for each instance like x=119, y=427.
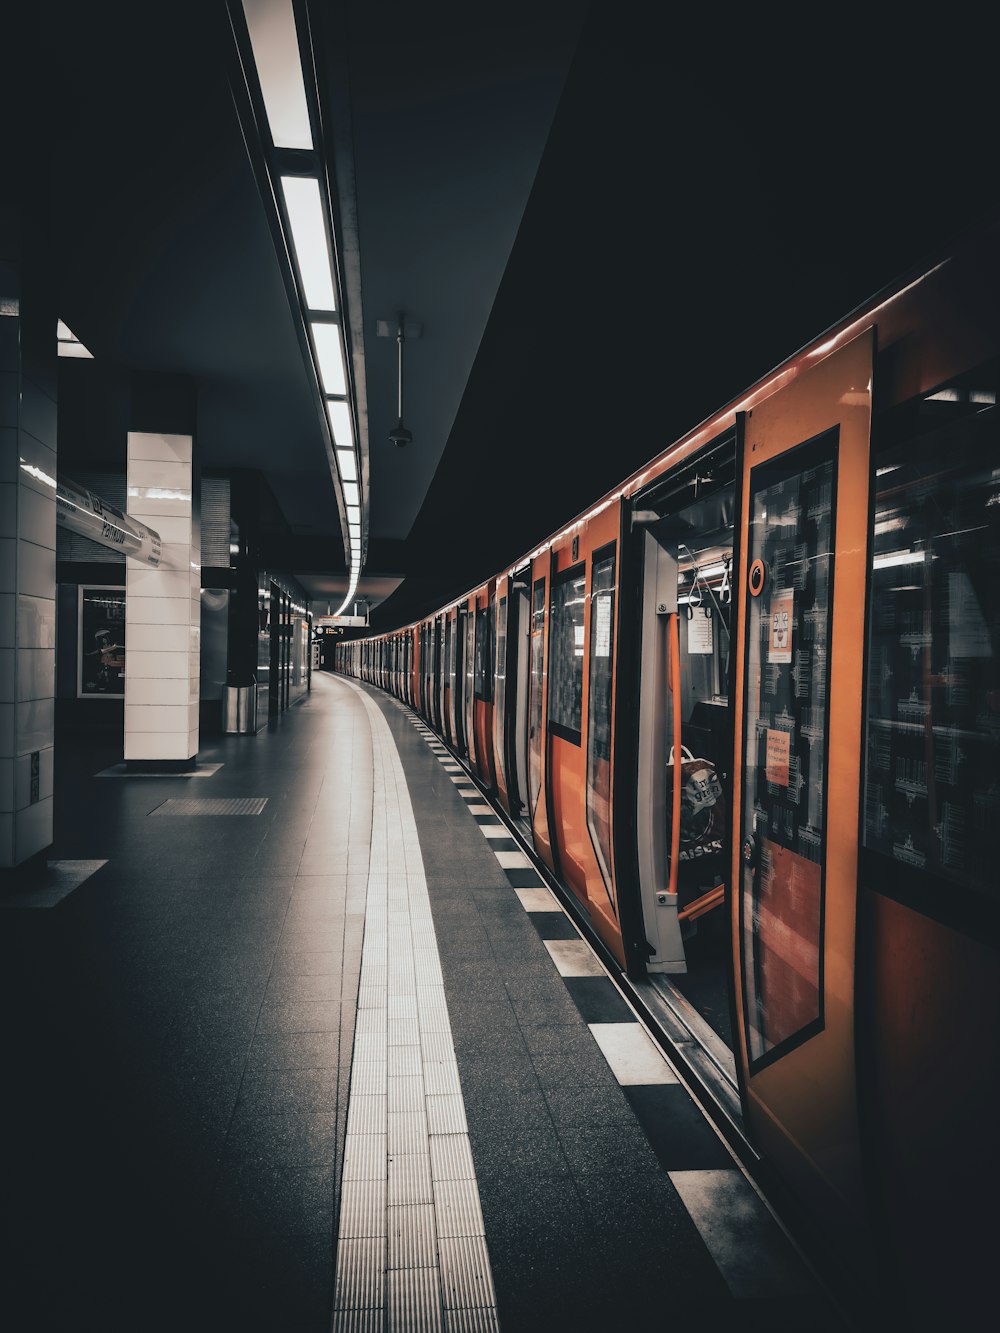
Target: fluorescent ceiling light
x=330, y=355
x=310, y=240
x=271, y=25
x=351, y=494
x=347, y=465
x=339, y=415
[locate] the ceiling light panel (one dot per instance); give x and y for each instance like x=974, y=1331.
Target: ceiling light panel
x=351, y=493
x=330, y=355
x=339, y=415
x=275, y=43
x=347, y=465
x=309, y=240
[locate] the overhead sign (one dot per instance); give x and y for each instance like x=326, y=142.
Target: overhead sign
x=342, y=622
x=83, y=512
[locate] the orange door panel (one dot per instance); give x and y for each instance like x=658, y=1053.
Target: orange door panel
x=538, y=804
x=500, y=692
x=566, y=778
x=803, y=561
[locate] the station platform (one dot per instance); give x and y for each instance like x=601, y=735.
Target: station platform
x=304, y=1043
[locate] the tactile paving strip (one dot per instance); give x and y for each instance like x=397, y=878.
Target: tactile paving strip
x=236, y=805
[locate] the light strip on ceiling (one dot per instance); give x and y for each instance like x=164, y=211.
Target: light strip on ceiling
x=310, y=240
x=351, y=494
x=330, y=355
x=275, y=43
x=347, y=464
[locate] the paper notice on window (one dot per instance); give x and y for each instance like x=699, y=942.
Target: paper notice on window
x=779, y=646
x=779, y=745
x=602, y=629
x=700, y=637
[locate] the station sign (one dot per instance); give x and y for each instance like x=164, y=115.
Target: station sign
x=84, y=512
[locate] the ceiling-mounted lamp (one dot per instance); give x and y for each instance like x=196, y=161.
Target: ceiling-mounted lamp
x=399, y=435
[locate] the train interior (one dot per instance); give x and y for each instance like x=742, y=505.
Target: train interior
x=685, y=736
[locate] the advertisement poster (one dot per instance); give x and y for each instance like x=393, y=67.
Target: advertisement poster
x=102, y=643
x=777, y=756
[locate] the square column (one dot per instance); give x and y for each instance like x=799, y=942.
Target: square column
x=27, y=573
x=163, y=606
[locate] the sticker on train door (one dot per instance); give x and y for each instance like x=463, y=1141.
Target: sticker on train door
x=776, y=757
x=782, y=610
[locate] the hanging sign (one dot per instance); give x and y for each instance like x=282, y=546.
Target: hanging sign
x=84, y=512
x=699, y=630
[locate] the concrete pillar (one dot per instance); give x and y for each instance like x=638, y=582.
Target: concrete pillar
x=27, y=547
x=163, y=606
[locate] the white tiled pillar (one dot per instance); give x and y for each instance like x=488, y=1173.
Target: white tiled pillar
x=27, y=573
x=163, y=606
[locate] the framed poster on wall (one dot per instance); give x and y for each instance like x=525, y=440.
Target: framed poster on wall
x=101, y=643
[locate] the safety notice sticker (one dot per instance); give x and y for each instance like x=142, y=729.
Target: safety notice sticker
x=779, y=647
x=779, y=744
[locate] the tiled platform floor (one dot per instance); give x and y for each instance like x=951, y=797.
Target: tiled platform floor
x=177, y=1040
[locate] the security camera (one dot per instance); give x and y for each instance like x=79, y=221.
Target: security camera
x=400, y=436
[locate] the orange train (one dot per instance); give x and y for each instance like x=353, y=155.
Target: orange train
x=746, y=713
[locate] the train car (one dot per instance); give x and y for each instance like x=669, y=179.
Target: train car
x=745, y=712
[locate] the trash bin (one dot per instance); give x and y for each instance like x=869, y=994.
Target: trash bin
x=239, y=710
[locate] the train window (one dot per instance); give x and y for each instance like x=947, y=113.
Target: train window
x=535, y=704
x=932, y=789
x=785, y=740
x=566, y=654
x=491, y=646
x=480, y=653
x=602, y=632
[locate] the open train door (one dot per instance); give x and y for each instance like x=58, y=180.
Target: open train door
x=802, y=524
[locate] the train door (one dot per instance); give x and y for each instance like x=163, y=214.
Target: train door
x=449, y=676
x=580, y=716
x=458, y=675
x=500, y=692
x=537, y=711
x=440, y=627
x=683, y=527
x=518, y=676
x=803, y=541
x=483, y=684
x=470, y=680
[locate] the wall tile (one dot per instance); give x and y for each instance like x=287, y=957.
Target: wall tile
x=174, y=529
x=8, y=564
x=157, y=610
x=146, y=582
x=7, y=715
x=9, y=399
x=159, y=448
x=151, y=510
x=8, y=675
x=156, y=666
x=139, y=691
x=158, y=638
x=152, y=717
x=36, y=673
x=8, y=454
x=36, y=519
x=8, y=509
x=146, y=476
x=35, y=724
x=7, y=840
x=37, y=570
x=36, y=622
x=7, y=619
x=33, y=829
x=38, y=413
x=157, y=745
x=7, y=769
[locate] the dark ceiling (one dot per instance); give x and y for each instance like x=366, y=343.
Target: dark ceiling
x=606, y=232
